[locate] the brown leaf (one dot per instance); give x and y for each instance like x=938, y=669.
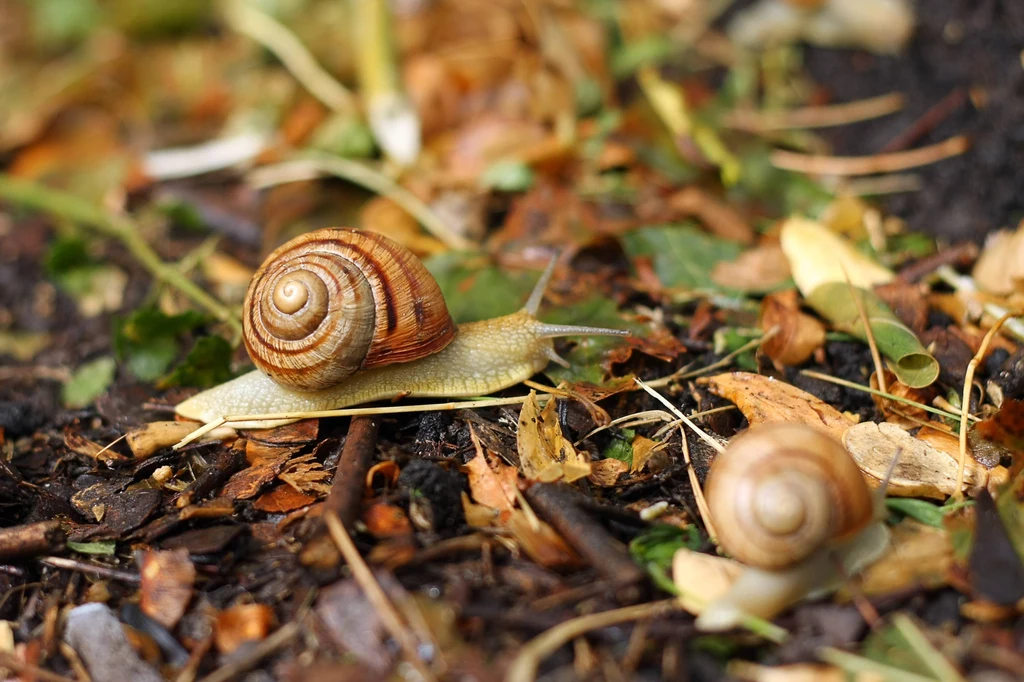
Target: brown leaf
x=492, y=482
x=385, y=520
x=240, y=624
x=718, y=216
x=922, y=471
x=1000, y=268
x=167, y=580
x=758, y=269
x=149, y=438
x=763, y=400
x=544, y=453
x=606, y=472
x=907, y=301
x=643, y=449
x=798, y=335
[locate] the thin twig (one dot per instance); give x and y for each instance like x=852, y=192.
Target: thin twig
x=876, y=357
x=94, y=569
x=275, y=36
x=874, y=391
x=386, y=611
x=698, y=493
x=351, y=412
x=724, y=362
x=524, y=667
x=965, y=404
x=868, y=165
x=815, y=117
x=686, y=420
x=70, y=207
x=350, y=477
x=317, y=165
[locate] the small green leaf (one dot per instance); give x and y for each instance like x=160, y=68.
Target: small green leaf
x=106, y=547
x=207, y=364
x=911, y=362
x=508, y=176
x=621, y=447
x=88, y=382
x=476, y=291
x=658, y=544
x=67, y=254
x=683, y=255
x=627, y=58
x=920, y=510
x=147, y=340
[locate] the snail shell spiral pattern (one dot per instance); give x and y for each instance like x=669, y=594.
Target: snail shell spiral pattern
x=780, y=492
x=335, y=301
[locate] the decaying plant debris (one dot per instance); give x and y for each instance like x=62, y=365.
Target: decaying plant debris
x=798, y=216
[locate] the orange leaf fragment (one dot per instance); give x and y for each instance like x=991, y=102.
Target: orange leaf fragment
x=799, y=334
x=492, y=482
x=763, y=400
x=240, y=624
x=167, y=580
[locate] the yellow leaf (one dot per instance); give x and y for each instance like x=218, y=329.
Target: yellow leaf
x=819, y=256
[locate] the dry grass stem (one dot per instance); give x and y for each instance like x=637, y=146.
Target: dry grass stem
x=814, y=164
x=386, y=611
x=816, y=117
x=965, y=400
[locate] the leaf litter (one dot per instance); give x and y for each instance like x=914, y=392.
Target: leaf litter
x=690, y=193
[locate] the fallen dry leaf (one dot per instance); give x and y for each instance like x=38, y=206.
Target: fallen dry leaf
x=1000, y=268
x=240, y=624
x=922, y=471
x=819, y=256
x=763, y=400
x=167, y=580
x=798, y=335
x=544, y=453
x=758, y=269
x=283, y=498
x=492, y=482
x=539, y=541
x=606, y=472
x=718, y=216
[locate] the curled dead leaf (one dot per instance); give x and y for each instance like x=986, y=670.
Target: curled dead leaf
x=922, y=471
x=798, y=335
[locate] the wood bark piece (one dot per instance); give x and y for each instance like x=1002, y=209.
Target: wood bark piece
x=30, y=540
x=556, y=504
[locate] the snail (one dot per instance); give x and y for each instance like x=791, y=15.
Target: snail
x=789, y=503
x=340, y=317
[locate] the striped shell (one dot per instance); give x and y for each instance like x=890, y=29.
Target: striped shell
x=334, y=301
x=780, y=492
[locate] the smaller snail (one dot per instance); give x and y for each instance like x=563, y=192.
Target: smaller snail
x=339, y=317
x=789, y=503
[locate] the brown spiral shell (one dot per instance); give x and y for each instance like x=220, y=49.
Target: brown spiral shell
x=780, y=492
x=334, y=301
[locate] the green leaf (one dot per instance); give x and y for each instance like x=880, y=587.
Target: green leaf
x=783, y=192
x=683, y=255
x=911, y=362
x=587, y=357
x=920, y=510
x=106, y=547
x=508, y=176
x=658, y=544
x=147, y=340
x=474, y=290
x=88, y=382
x=207, y=364
x=629, y=57
x=621, y=447
x=67, y=254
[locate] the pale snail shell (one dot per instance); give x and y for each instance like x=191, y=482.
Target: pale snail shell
x=333, y=302
x=780, y=492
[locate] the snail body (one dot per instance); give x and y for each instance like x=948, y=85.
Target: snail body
x=413, y=351
x=791, y=504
